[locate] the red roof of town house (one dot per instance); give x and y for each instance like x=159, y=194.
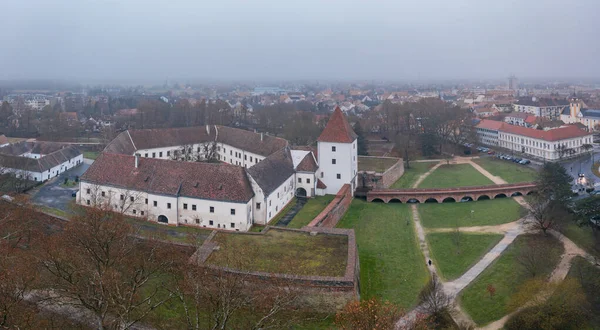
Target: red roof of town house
x=556, y=134
x=338, y=129
x=531, y=119
x=490, y=124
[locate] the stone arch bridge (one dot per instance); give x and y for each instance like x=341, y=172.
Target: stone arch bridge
x=440, y=195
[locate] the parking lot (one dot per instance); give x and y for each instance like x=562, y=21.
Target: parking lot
x=54, y=194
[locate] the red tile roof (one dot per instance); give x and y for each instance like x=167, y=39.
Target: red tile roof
x=3, y=139
x=321, y=185
x=556, y=134
x=308, y=164
x=338, y=129
x=222, y=182
x=490, y=124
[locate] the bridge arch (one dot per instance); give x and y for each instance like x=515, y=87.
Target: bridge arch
x=395, y=200
x=483, y=198
x=431, y=200
x=413, y=201
x=532, y=192
x=449, y=200
x=377, y=200
x=516, y=193
x=501, y=195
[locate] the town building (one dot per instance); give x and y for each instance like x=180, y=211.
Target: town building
x=216, y=176
x=542, y=107
x=578, y=112
x=552, y=144
x=38, y=161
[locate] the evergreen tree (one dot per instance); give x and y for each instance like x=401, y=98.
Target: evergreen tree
x=362, y=141
x=554, y=183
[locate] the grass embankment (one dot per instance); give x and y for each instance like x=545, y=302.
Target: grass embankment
x=377, y=164
x=391, y=264
x=583, y=236
x=412, y=174
x=455, y=252
x=481, y=213
x=509, y=171
x=588, y=277
x=285, y=252
x=455, y=175
x=311, y=209
x=179, y=234
x=506, y=275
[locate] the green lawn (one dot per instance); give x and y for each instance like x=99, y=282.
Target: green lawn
x=485, y=213
x=509, y=171
x=311, y=209
x=411, y=174
x=179, y=234
x=583, y=236
x=455, y=252
x=91, y=154
x=455, y=175
x=589, y=277
x=282, y=251
x=391, y=264
x=505, y=275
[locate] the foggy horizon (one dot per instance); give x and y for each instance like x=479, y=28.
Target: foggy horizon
x=136, y=41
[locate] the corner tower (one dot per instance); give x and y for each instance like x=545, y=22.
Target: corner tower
x=337, y=154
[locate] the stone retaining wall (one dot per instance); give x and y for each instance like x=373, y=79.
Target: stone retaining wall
x=326, y=293
x=377, y=180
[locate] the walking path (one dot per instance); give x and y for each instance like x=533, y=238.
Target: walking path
x=426, y=174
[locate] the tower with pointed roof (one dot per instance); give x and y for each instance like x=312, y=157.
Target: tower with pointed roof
x=337, y=153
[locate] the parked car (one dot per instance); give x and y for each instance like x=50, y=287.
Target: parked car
x=525, y=161
x=595, y=220
x=491, y=152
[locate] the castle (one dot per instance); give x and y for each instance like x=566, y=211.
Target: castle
x=216, y=176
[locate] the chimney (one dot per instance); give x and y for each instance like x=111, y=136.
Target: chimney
x=262, y=135
x=137, y=160
x=208, y=129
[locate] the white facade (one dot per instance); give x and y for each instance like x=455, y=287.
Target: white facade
x=306, y=181
x=549, y=150
x=267, y=207
x=47, y=174
x=172, y=210
x=487, y=136
x=338, y=164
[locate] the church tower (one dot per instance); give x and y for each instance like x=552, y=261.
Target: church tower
x=337, y=154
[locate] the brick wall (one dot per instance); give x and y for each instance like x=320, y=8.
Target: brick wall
x=336, y=209
x=377, y=180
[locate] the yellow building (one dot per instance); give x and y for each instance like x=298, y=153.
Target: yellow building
x=577, y=112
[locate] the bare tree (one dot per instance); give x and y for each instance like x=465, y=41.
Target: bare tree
x=117, y=278
x=546, y=214
x=533, y=258
x=434, y=300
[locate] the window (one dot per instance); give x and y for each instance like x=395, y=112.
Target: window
x=211, y=222
x=88, y=202
x=333, y=161
x=258, y=206
x=88, y=191
x=131, y=199
x=322, y=174
x=154, y=155
x=245, y=157
x=168, y=153
x=333, y=148
x=230, y=152
x=198, y=149
x=134, y=211
x=103, y=194
x=184, y=206
x=269, y=203
x=193, y=207
x=299, y=180
x=146, y=201
x=277, y=195
x=232, y=225
x=307, y=180
x=232, y=211
x=250, y=158
x=339, y=176
x=155, y=203
x=160, y=154
x=197, y=221
x=142, y=212
x=122, y=197
x=212, y=209
x=146, y=155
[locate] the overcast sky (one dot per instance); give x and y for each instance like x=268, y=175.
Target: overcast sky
x=298, y=39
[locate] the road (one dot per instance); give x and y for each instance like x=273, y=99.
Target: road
x=53, y=194
x=583, y=165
